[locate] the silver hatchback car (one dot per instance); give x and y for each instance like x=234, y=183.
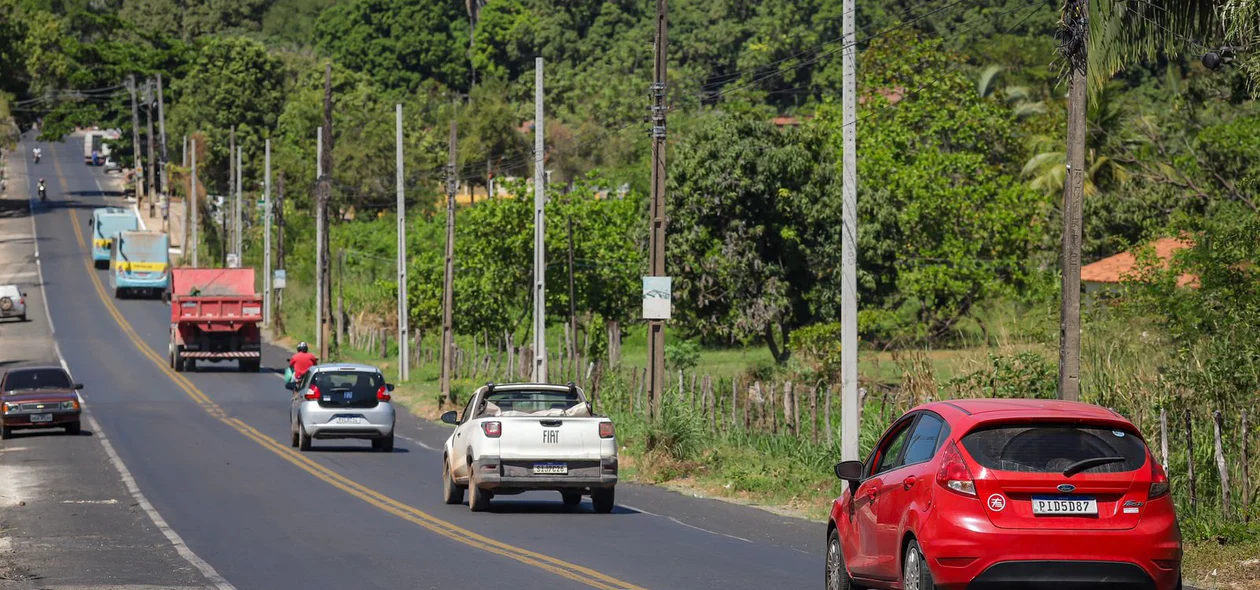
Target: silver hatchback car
x=342, y=401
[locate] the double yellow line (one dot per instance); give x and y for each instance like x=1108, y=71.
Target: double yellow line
x=446, y=529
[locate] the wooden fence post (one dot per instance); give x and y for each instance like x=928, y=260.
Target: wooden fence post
x=747, y=402
x=1246, y=472
x=691, y=397
x=734, y=402
x=1163, y=437
x=813, y=415
x=1222, y=467
x=827, y=413
x=774, y=413
x=1194, y=501
x=643, y=387
x=712, y=410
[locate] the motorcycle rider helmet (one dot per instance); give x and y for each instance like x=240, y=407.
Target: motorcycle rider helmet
x=302, y=347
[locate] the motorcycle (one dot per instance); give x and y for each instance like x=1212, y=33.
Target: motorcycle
x=43, y=191
x=36, y=158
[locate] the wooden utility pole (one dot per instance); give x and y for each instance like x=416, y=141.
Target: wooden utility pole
x=656, y=245
x=166, y=187
x=323, y=196
x=850, y=402
x=540, y=222
x=572, y=297
x=148, y=112
x=1076, y=19
x=404, y=308
x=448, y=281
x=135, y=136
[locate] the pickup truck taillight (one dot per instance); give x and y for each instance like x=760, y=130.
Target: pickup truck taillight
x=312, y=393
x=606, y=430
x=492, y=429
x=382, y=395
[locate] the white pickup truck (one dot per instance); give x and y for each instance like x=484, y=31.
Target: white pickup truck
x=531, y=436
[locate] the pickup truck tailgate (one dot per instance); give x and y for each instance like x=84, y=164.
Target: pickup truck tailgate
x=552, y=438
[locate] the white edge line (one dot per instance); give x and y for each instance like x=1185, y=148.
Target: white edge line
x=412, y=440
x=178, y=542
x=692, y=526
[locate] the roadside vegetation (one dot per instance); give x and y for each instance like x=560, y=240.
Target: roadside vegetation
x=961, y=170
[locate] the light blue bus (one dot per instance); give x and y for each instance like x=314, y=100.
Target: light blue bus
x=139, y=263
x=106, y=223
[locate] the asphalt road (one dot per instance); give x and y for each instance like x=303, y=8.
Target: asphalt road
x=210, y=451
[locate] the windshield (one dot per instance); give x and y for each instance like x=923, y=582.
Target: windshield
x=348, y=389
x=533, y=401
x=1053, y=448
x=32, y=379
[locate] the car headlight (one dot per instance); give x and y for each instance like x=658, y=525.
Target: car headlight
x=70, y=405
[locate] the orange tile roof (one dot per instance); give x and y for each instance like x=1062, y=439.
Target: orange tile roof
x=1115, y=269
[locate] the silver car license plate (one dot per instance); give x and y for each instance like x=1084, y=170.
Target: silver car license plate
x=347, y=420
x=551, y=469
x=41, y=418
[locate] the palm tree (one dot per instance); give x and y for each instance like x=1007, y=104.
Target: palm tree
x=1018, y=98
x=1123, y=33
x=1106, y=116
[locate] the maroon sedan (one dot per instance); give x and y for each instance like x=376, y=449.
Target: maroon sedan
x=38, y=397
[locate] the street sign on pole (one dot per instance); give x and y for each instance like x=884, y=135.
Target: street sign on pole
x=277, y=279
x=657, y=298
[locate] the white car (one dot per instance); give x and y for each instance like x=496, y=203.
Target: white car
x=530, y=436
x=12, y=302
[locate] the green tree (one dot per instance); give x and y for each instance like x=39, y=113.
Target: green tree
x=399, y=43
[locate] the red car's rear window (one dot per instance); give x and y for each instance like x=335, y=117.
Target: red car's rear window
x=1053, y=447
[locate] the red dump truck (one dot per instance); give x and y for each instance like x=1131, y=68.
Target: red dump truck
x=215, y=315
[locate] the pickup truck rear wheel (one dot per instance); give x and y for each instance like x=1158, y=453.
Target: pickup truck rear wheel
x=452, y=493
x=478, y=499
x=603, y=500
x=571, y=498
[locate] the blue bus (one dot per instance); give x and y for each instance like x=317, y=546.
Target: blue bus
x=106, y=223
x=139, y=262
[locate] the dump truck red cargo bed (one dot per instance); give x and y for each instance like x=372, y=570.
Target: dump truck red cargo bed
x=215, y=315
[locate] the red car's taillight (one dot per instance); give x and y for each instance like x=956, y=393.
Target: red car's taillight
x=953, y=474
x=312, y=393
x=1159, y=481
x=492, y=429
x=382, y=395
x=606, y=430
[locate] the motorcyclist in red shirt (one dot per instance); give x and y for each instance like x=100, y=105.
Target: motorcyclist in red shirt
x=302, y=362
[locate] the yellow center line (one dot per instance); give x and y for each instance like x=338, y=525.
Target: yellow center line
x=559, y=567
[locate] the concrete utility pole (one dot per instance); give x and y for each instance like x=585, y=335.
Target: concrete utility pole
x=1076, y=14
x=572, y=297
x=540, y=255
x=225, y=214
x=319, y=243
x=404, y=353
x=135, y=135
x=324, y=192
x=148, y=112
x=190, y=208
x=239, y=218
x=448, y=281
x=656, y=240
x=166, y=187
x=267, y=296
x=849, y=410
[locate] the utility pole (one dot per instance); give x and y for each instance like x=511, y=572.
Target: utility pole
x=185, y=160
x=1076, y=15
x=849, y=410
x=572, y=297
x=190, y=208
x=540, y=255
x=267, y=295
x=148, y=112
x=135, y=134
x=656, y=240
x=225, y=214
x=239, y=219
x=448, y=281
x=319, y=243
x=324, y=192
x=166, y=187
x=404, y=353
x=279, y=317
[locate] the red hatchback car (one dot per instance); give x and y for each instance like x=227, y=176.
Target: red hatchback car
x=1005, y=493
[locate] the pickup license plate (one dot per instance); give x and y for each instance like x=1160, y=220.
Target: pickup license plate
x=551, y=469
x=41, y=418
x=1052, y=506
x=347, y=420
